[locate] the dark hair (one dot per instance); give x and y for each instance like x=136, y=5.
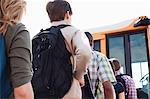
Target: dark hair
x=90, y=37
x=116, y=63
x=57, y=9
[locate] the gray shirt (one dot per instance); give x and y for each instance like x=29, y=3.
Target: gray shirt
x=19, y=54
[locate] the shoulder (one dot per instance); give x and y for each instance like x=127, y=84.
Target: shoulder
x=97, y=53
x=70, y=32
x=100, y=55
x=70, y=29
x=20, y=27
x=127, y=78
x=16, y=32
x=16, y=28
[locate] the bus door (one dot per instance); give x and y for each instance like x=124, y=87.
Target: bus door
x=131, y=48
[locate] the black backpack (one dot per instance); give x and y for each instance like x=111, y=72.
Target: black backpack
x=122, y=81
x=86, y=89
x=51, y=64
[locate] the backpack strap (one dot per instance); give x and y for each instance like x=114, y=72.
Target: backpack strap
x=87, y=89
x=71, y=51
x=62, y=26
x=97, y=88
x=97, y=85
x=59, y=26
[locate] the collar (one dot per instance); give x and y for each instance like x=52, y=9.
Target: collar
x=56, y=23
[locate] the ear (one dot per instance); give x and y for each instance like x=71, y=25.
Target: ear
x=67, y=15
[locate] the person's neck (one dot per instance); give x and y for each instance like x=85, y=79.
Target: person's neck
x=55, y=23
x=117, y=72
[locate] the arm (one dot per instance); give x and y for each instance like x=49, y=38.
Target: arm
x=121, y=95
x=24, y=92
x=108, y=90
x=82, y=53
x=106, y=75
x=119, y=90
x=20, y=65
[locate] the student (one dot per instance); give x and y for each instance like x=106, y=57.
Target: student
x=76, y=40
x=99, y=68
x=129, y=85
x=119, y=88
x=17, y=42
x=60, y=12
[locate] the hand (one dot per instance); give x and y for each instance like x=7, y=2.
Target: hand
x=143, y=17
x=81, y=82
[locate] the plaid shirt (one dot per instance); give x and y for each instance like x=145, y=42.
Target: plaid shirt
x=99, y=68
x=130, y=87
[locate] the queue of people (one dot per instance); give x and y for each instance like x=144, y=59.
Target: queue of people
x=61, y=52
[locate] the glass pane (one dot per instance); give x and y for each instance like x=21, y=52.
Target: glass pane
x=116, y=50
x=97, y=45
x=139, y=61
x=138, y=48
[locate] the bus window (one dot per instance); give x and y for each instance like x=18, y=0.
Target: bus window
x=139, y=61
x=97, y=45
x=116, y=50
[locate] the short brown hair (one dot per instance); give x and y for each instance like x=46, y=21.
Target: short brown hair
x=115, y=63
x=57, y=9
x=90, y=37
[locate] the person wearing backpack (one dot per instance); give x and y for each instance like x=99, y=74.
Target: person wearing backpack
x=60, y=55
x=126, y=80
x=100, y=74
x=16, y=74
x=118, y=86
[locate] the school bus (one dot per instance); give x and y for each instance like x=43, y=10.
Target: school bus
x=128, y=41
